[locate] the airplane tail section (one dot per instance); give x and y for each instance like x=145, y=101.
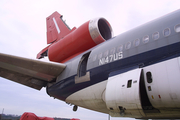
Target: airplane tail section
x=65, y=44
x=56, y=27
x=56, y=30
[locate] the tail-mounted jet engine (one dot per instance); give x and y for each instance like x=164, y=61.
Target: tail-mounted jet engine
x=77, y=40
x=85, y=37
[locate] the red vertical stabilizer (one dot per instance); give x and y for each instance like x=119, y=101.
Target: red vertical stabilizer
x=56, y=27
x=56, y=30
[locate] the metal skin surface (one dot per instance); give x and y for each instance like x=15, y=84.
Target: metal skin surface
x=29, y=72
x=92, y=94
x=135, y=74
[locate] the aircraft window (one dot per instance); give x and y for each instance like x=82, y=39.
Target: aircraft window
x=128, y=45
x=149, y=77
x=166, y=32
x=129, y=83
x=94, y=58
x=106, y=53
x=177, y=28
x=155, y=35
x=136, y=42
x=100, y=56
x=112, y=51
x=146, y=39
x=120, y=48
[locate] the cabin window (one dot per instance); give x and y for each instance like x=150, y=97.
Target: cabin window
x=120, y=48
x=149, y=77
x=112, y=51
x=129, y=83
x=100, y=56
x=146, y=39
x=128, y=45
x=106, y=53
x=177, y=28
x=166, y=32
x=155, y=35
x=136, y=42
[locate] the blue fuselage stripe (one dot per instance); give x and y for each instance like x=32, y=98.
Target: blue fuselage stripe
x=66, y=87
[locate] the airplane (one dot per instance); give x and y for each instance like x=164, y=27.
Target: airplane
x=135, y=74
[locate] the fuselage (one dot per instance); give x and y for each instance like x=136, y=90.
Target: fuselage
x=151, y=50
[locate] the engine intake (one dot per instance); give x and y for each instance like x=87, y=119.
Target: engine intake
x=100, y=28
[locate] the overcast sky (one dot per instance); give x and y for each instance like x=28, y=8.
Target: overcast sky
x=23, y=33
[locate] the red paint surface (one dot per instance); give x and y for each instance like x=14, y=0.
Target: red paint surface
x=52, y=33
x=77, y=41
x=159, y=96
x=75, y=119
x=32, y=116
x=68, y=43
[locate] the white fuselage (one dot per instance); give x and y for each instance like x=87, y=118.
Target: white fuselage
x=163, y=92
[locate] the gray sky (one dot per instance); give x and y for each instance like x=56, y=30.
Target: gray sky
x=23, y=33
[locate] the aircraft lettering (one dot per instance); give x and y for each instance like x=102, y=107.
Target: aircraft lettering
x=111, y=58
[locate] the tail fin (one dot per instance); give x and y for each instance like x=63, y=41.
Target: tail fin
x=56, y=27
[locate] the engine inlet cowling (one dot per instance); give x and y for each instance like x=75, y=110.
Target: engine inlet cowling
x=100, y=29
x=81, y=39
